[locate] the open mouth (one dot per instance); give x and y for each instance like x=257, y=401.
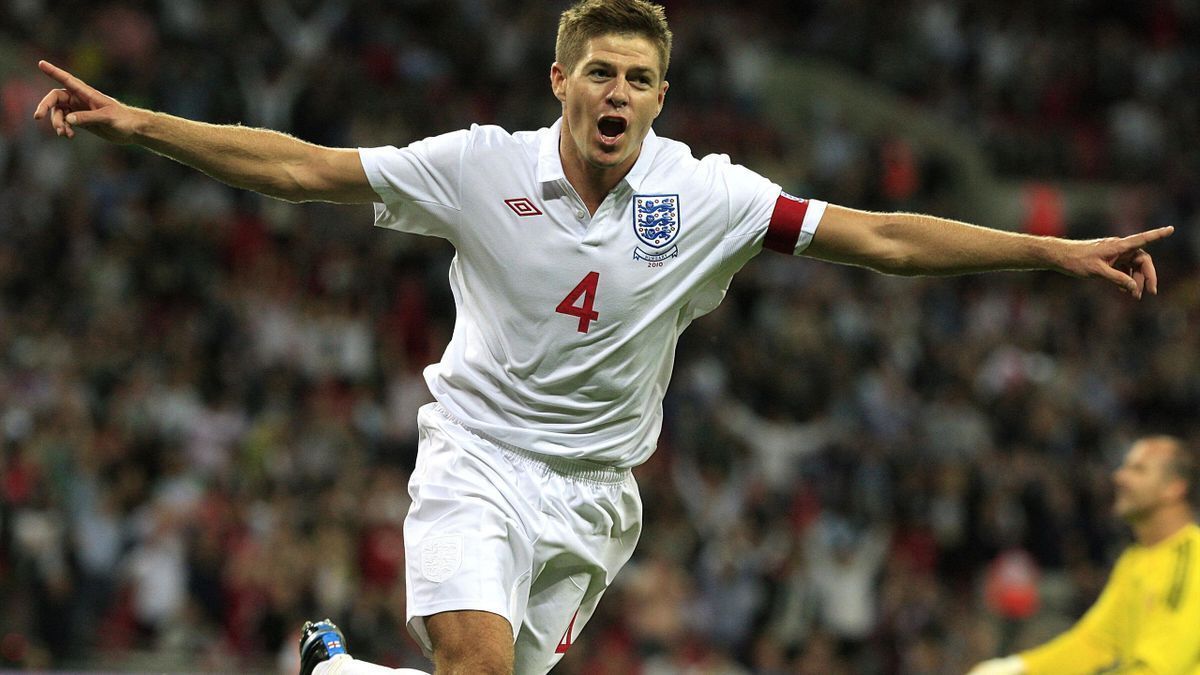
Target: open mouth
x=611, y=129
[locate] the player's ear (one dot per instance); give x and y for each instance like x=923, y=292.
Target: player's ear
x=558, y=81
x=1178, y=489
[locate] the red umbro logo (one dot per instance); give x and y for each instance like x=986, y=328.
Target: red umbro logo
x=523, y=207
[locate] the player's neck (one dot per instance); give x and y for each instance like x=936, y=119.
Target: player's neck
x=593, y=183
x=1162, y=525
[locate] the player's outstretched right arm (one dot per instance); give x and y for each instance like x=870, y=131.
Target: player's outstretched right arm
x=261, y=160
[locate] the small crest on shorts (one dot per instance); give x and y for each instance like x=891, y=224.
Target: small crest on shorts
x=441, y=557
x=656, y=223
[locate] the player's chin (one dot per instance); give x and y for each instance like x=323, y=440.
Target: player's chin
x=1126, y=511
x=608, y=157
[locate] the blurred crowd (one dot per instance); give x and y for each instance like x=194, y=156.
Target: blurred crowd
x=208, y=399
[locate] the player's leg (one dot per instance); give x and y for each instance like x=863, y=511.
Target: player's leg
x=468, y=542
x=323, y=652
x=464, y=642
x=345, y=665
x=591, y=529
x=468, y=550
x=559, y=607
x=470, y=642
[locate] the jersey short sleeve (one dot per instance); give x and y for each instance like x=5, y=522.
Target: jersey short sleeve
x=793, y=223
x=420, y=185
x=764, y=215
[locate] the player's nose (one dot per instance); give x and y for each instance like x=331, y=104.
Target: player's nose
x=618, y=95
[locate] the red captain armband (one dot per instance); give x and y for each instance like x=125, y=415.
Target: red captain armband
x=787, y=219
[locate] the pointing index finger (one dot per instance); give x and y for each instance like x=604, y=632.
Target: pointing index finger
x=1142, y=238
x=70, y=82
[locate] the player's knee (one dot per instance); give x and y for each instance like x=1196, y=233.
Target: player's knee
x=485, y=657
x=477, y=643
x=473, y=661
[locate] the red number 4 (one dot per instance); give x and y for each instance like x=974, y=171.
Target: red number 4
x=585, y=295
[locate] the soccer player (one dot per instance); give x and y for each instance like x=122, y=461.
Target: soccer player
x=1147, y=619
x=582, y=251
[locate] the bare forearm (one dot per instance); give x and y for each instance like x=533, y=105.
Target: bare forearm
x=901, y=243
x=253, y=159
x=926, y=245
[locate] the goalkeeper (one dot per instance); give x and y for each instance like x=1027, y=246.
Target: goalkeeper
x=1147, y=620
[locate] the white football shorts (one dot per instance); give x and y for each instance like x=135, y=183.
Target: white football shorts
x=533, y=538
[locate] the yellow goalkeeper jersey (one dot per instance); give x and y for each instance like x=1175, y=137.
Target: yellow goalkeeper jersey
x=1146, y=621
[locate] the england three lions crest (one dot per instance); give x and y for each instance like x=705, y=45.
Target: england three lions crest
x=656, y=224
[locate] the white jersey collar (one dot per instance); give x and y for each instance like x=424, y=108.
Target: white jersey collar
x=550, y=164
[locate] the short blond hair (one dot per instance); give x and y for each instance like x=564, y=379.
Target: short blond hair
x=589, y=19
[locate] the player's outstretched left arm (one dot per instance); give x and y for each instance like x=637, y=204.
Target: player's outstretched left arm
x=908, y=244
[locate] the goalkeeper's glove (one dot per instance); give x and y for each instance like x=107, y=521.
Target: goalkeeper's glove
x=1009, y=665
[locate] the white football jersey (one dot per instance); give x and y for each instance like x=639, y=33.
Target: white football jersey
x=567, y=322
